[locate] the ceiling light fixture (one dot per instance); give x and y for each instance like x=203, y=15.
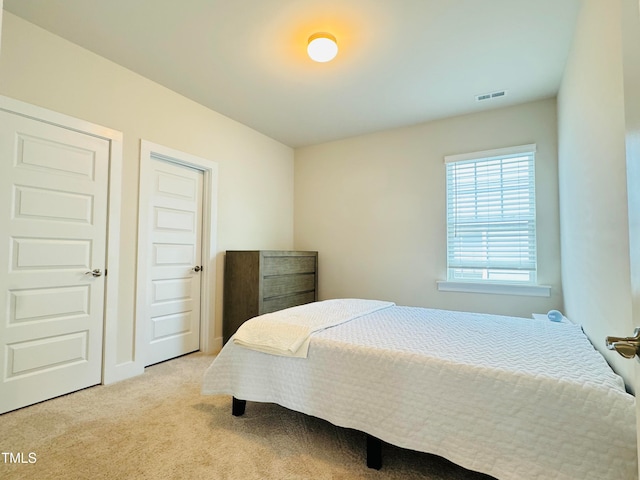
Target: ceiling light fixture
x=322, y=47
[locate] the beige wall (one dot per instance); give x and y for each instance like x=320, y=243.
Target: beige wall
x=255, y=198
x=592, y=176
x=374, y=206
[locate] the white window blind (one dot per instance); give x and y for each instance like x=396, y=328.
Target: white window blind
x=491, y=216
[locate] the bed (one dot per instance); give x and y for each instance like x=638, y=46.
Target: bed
x=515, y=398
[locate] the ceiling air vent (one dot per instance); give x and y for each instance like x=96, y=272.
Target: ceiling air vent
x=489, y=96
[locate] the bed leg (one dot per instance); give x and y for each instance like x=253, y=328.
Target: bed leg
x=237, y=407
x=374, y=452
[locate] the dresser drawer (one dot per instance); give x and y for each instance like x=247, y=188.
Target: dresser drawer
x=278, y=303
x=285, y=284
x=288, y=265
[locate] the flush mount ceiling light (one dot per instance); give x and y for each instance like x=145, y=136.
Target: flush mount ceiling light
x=322, y=47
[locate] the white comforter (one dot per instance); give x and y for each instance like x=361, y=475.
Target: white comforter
x=511, y=397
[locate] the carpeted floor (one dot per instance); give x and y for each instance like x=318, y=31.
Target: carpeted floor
x=158, y=426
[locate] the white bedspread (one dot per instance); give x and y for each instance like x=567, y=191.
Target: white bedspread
x=518, y=399
x=287, y=332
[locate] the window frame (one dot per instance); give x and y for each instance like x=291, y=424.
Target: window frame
x=529, y=287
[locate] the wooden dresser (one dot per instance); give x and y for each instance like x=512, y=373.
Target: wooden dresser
x=263, y=281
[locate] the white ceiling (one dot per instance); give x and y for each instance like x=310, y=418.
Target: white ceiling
x=401, y=62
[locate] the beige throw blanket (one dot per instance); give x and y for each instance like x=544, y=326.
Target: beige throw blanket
x=288, y=332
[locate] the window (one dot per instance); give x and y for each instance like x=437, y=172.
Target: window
x=491, y=216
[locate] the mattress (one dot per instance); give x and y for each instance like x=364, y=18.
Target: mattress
x=515, y=398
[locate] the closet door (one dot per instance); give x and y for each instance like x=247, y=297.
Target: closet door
x=53, y=217
x=171, y=209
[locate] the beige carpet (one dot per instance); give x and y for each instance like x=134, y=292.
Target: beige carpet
x=158, y=426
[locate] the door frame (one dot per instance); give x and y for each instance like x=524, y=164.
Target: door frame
x=630, y=26
x=111, y=370
x=208, y=342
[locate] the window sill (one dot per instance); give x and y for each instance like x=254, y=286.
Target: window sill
x=495, y=288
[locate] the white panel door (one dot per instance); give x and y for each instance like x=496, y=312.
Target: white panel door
x=174, y=261
x=53, y=217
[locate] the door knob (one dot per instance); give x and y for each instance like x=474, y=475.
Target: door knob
x=628, y=347
x=95, y=273
x=197, y=268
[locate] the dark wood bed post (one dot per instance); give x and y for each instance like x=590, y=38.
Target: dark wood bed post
x=237, y=407
x=374, y=452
